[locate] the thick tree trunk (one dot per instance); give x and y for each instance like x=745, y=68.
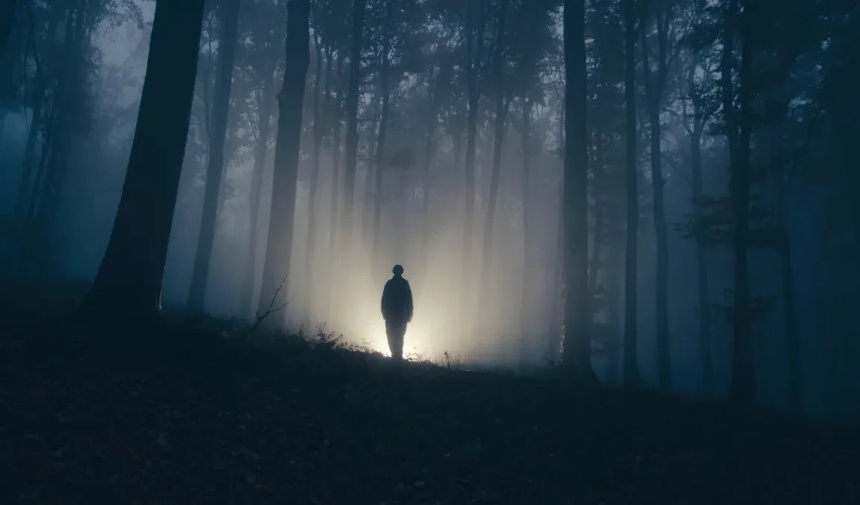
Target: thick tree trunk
x=279, y=246
x=743, y=380
x=310, y=242
x=8, y=10
x=215, y=166
x=128, y=284
x=577, y=344
x=631, y=361
x=347, y=220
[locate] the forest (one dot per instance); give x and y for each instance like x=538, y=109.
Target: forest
x=648, y=197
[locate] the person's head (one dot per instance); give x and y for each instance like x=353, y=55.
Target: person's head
x=397, y=270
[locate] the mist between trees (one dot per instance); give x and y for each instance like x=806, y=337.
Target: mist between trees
x=541, y=169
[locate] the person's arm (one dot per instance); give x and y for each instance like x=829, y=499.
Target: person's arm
x=383, y=303
x=409, y=307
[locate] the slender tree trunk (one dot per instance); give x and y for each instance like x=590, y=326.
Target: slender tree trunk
x=527, y=305
x=383, y=127
x=279, y=246
x=265, y=106
x=557, y=288
x=743, y=384
x=501, y=114
x=577, y=344
x=370, y=167
x=310, y=243
x=347, y=221
x=67, y=90
x=702, y=274
x=335, y=247
x=128, y=284
x=598, y=237
x=789, y=308
x=215, y=171
x=654, y=85
x=425, y=172
x=631, y=361
x=474, y=45
x=25, y=185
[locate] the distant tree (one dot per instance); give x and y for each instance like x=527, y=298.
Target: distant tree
x=661, y=13
x=320, y=103
x=631, y=360
x=348, y=210
x=699, y=105
x=128, y=284
x=474, y=34
x=215, y=166
x=385, y=79
x=290, y=104
x=501, y=105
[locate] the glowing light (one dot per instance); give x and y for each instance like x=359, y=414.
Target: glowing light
x=377, y=340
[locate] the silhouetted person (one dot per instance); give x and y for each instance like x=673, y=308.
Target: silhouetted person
x=396, y=310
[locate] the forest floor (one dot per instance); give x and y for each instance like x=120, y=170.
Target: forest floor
x=174, y=415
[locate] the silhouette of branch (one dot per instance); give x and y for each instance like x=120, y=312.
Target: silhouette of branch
x=271, y=309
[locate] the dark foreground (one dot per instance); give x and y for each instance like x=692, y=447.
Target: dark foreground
x=184, y=418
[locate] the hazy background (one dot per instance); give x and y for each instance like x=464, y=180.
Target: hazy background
x=512, y=319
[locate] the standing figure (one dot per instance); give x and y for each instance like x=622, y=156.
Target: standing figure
x=396, y=310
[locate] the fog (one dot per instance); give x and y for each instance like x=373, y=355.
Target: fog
x=502, y=313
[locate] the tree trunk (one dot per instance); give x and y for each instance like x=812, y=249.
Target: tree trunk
x=310, y=243
x=425, y=172
x=654, y=85
x=577, y=344
x=25, y=185
x=527, y=305
x=215, y=172
x=631, y=362
x=743, y=383
x=375, y=260
x=8, y=9
x=474, y=45
x=789, y=308
x=703, y=281
x=69, y=88
x=279, y=246
x=128, y=284
x=501, y=113
x=347, y=221
x=335, y=247
x=265, y=106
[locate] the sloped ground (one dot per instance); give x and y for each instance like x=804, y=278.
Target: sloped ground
x=180, y=417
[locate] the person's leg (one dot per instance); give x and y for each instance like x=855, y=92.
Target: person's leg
x=400, y=334
x=391, y=334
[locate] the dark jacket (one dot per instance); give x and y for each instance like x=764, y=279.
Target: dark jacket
x=397, y=300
